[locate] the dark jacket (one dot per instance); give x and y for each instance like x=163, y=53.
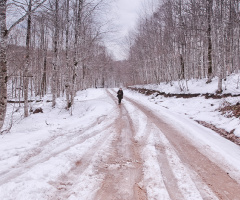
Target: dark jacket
x=120, y=94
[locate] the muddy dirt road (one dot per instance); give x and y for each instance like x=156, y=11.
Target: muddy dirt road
x=161, y=164
x=129, y=154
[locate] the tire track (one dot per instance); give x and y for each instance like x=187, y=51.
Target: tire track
x=123, y=170
x=211, y=176
x=163, y=180
x=56, y=140
x=68, y=183
x=46, y=153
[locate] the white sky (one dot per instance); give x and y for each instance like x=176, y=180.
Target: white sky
x=125, y=14
x=125, y=17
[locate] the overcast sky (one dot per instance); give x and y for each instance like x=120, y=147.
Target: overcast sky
x=125, y=14
x=125, y=17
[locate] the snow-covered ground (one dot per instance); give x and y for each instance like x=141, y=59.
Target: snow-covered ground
x=199, y=108
x=230, y=85
x=55, y=155
x=31, y=153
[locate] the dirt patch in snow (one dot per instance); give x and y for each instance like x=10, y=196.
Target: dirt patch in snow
x=229, y=110
x=182, y=95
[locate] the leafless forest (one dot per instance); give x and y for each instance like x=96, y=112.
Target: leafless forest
x=186, y=39
x=51, y=46
x=56, y=46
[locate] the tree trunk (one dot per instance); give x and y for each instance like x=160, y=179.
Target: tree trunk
x=44, y=76
x=68, y=82
x=209, y=11
x=25, y=73
x=55, y=58
x=44, y=45
x=182, y=70
x=75, y=61
x=3, y=62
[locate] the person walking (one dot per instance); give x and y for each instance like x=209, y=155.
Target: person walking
x=120, y=95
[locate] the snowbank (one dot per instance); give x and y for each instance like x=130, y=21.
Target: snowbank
x=230, y=85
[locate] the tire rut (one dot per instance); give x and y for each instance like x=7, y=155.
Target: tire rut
x=123, y=170
x=219, y=181
x=65, y=184
x=58, y=148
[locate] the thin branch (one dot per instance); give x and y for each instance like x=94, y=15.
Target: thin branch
x=24, y=16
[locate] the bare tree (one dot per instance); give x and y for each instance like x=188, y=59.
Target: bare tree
x=62, y=52
x=3, y=50
x=27, y=62
x=55, y=53
x=3, y=61
x=187, y=39
x=209, y=5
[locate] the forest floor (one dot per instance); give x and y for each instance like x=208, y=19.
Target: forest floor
x=135, y=150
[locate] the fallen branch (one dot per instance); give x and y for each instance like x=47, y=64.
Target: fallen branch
x=12, y=101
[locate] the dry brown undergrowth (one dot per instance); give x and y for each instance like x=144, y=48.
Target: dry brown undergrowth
x=229, y=110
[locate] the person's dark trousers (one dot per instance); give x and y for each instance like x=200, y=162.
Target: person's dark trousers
x=119, y=100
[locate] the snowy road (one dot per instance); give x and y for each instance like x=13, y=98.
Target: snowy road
x=125, y=152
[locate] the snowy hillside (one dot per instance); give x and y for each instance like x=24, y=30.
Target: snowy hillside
x=230, y=85
x=199, y=108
